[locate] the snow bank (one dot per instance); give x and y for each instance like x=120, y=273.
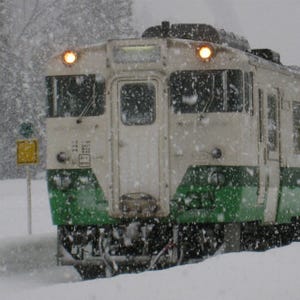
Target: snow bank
x=28, y=265
x=269, y=275
x=13, y=208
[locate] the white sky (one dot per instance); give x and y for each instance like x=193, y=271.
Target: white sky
x=273, y=24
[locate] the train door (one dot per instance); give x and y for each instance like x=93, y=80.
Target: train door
x=139, y=156
x=270, y=177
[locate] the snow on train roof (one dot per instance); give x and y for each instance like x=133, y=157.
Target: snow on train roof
x=200, y=32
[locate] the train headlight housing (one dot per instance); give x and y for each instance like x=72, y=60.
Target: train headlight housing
x=70, y=57
x=216, y=153
x=205, y=52
x=62, y=157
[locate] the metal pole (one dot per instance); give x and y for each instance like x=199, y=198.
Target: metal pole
x=29, y=216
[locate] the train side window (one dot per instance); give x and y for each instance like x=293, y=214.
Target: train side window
x=261, y=114
x=272, y=122
x=75, y=95
x=248, y=86
x=296, y=126
x=138, y=103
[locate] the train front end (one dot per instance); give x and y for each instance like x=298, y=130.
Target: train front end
x=151, y=150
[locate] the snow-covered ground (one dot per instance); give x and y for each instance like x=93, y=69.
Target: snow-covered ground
x=28, y=269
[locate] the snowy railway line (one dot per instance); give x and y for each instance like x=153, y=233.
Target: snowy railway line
x=28, y=271
x=27, y=262
x=28, y=265
x=33, y=259
x=186, y=134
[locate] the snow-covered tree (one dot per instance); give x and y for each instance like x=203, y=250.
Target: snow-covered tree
x=35, y=30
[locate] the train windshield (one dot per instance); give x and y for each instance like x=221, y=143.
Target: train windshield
x=75, y=95
x=208, y=91
x=138, y=103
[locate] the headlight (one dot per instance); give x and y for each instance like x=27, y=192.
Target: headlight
x=205, y=52
x=62, y=157
x=70, y=57
x=216, y=153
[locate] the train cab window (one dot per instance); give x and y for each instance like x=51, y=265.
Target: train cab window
x=138, y=103
x=207, y=91
x=75, y=95
x=234, y=90
x=296, y=125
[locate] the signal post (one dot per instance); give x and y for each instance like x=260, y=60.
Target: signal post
x=27, y=154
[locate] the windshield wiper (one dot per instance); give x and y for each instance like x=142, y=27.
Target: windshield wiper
x=212, y=98
x=87, y=107
x=208, y=104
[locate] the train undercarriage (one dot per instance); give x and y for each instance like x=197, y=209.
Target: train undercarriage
x=134, y=247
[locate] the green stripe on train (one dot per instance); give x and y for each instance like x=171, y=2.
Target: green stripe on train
x=212, y=194
x=76, y=198
x=206, y=194
x=289, y=203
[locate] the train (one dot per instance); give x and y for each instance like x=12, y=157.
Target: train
x=166, y=149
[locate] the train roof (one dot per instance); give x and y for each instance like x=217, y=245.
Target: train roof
x=197, y=32
x=208, y=33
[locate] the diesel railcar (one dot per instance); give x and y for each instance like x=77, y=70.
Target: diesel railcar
x=164, y=149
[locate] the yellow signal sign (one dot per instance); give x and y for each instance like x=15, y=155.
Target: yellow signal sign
x=27, y=152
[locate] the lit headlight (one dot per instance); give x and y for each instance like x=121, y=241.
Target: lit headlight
x=205, y=52
x=69, y=57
